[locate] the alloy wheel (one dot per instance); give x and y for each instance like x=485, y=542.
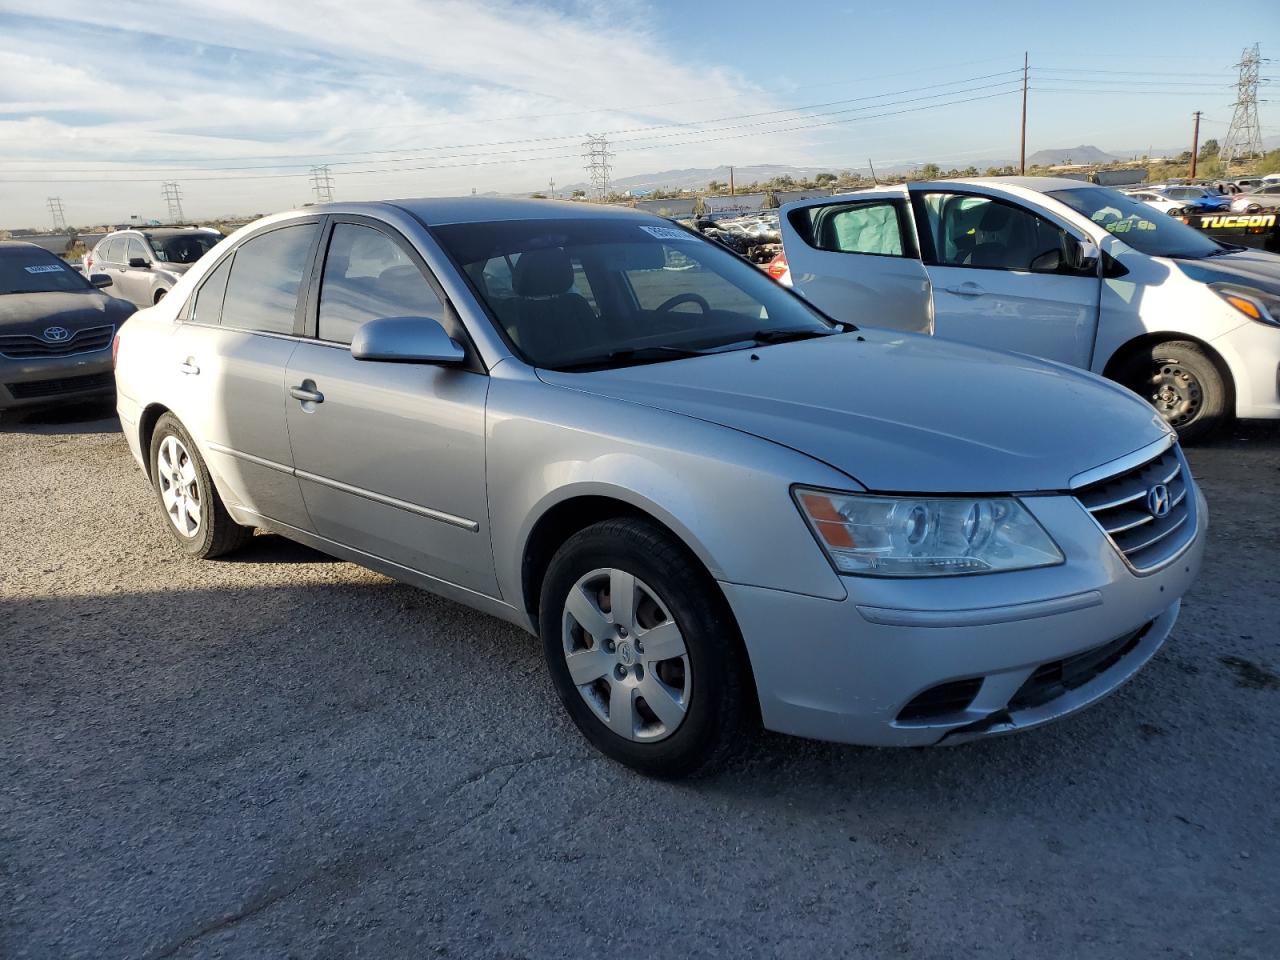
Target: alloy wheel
x=179, y=486
x=626, y=655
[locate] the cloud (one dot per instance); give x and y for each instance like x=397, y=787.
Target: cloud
x=126, y=87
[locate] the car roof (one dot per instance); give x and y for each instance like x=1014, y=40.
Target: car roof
x=14, y=246
x=440, y=211
x=1038, y=184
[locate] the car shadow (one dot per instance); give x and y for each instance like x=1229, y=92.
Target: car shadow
x=71, y=418
x=273, y=548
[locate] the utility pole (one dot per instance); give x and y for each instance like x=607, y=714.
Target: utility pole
x=59, y=218
x=322, y=184
x=1022, y=151
x=172, y=194
x=873, y=172
x=1244, y=136
x=1195, y=144
x=595, y=150
x=731, y=180
x=551, y=188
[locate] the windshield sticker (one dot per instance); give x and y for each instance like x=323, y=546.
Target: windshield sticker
x=667, y=233
x=45, y=268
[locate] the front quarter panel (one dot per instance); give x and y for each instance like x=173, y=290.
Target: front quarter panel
x=724, y=493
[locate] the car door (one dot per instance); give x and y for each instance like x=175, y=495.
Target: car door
x=134, y=281
x=856, y=259
x=390, y=456
x=229, y=357
x=1005, y=276
x=111, y=262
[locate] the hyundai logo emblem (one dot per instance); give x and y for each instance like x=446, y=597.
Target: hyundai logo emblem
x=56, y=334
x=1158, y=501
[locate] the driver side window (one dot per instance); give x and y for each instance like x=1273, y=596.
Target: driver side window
x=980, y=232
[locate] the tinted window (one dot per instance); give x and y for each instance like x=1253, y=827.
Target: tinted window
x=32, y=270
x=577, y=294
x=1136, y=224
x=867, y=227
x=184, y=247
x=971, y=231
x=207, y=307
x=262, y=292
x=367, y=275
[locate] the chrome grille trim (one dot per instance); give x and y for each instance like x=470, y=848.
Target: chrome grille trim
x=1117, y=504
x=24, y=346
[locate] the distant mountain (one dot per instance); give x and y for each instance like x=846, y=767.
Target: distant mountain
x=697, y=178
x=1081, y=154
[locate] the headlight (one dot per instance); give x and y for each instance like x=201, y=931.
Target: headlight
x=918, y=537
x=1253, y=303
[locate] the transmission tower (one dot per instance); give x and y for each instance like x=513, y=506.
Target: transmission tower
x=173, y=197
x=595, y=150
x=1244, y=137
x=322, y=184
x=59, y=218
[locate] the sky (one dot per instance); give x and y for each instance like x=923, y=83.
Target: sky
x=236, y=100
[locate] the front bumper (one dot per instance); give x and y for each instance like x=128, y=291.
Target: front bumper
x=914, y=663
x=1252, y=352
x=51, y=380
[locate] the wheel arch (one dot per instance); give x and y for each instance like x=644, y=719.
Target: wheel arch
x=151, y=414
x=1122, y=353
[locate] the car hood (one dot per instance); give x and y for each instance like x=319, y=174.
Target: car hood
x=901, y=412
x=1255, y=268
x=33, y=312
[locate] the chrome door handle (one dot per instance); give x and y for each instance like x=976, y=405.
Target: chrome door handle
x=305, y=395
x=189, y=368
x=966, y=289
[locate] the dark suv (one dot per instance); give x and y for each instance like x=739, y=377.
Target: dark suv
x=144, y=264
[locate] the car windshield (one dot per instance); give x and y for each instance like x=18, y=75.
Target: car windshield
x=1137, y=224
x=183, y=247
x=32, y=270
x=595, y=293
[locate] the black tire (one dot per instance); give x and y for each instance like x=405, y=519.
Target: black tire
x=1183, y=384
x=160, y=294
x=216, y=532
x=719, y=716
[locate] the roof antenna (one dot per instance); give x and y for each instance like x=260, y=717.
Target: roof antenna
x=873, y=172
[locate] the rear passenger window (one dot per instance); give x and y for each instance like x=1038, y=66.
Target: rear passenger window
x=208, y=303
x=872, y=227
x=368, y=276
x=266, y=274
x=114, y=250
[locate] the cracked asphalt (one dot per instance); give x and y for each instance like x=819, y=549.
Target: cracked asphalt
x=282, y=755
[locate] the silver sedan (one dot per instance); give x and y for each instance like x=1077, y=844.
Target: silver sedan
x=716, y=506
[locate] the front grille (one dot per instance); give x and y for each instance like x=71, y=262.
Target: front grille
x=22, y=346
x=52, y=388
x=1120, y=505
x=941, y=701
x=1051, y=680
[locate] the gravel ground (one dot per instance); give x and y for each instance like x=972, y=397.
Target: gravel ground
x=282, y=755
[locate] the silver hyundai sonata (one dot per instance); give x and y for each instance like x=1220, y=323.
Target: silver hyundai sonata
x=715, y=506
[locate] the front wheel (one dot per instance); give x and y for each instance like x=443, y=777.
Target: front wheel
x=642, y=649
x=1183, y=384
x=194, y=513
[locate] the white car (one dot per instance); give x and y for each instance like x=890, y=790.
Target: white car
x=1159, y=201
x=1057, y=269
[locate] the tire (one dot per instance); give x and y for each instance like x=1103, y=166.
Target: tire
x=194, y=514
x=1183, y=384
x=160, y=294
x=679, y=608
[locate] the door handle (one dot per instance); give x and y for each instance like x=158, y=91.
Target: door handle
x=189, y=368
x=966, y=289
x=305, y=395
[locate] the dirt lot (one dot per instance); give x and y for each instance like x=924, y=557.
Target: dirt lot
x=281, y=755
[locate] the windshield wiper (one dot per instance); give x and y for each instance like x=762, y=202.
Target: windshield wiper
x=788, y=335
x=631, y=355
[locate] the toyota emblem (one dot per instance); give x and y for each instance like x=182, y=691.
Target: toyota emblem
x=1158, y=501
x=57, y=334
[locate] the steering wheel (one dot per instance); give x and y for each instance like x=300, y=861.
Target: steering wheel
x=672, y=302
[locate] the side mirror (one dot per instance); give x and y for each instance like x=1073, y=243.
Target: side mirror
x=139, y=263
x=1087, y=254
x=101, y=280
x=406, y=340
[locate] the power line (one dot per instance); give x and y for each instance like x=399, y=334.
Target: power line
x=322, y=184
x=595, y=150
x=55, y=210
x=173, y=197
x=1244, y=137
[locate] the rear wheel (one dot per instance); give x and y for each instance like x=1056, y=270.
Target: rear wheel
x=194, y=513
x=643, y=650
x=1183, y=384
